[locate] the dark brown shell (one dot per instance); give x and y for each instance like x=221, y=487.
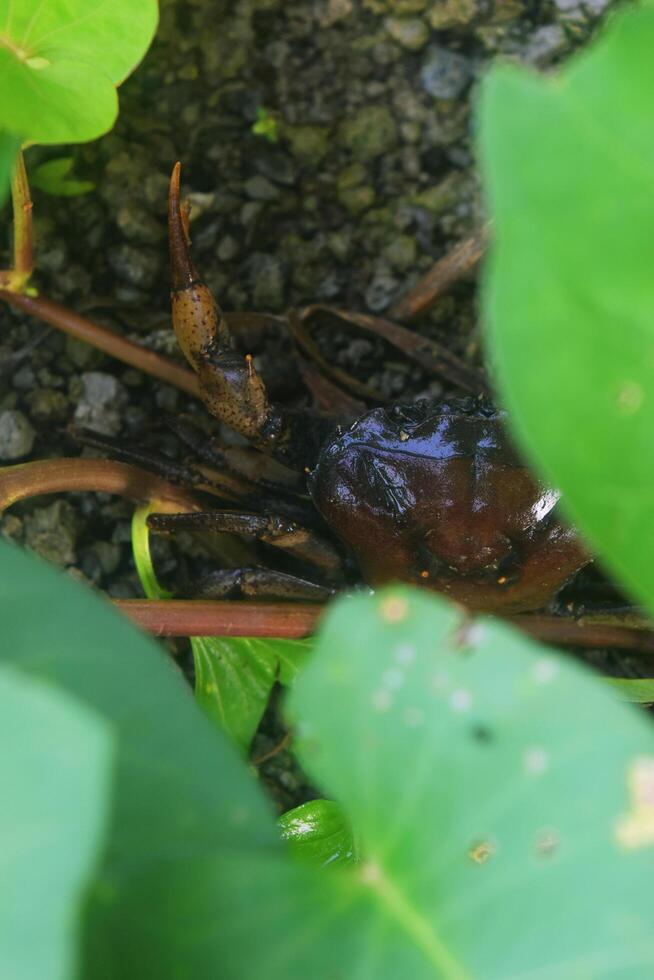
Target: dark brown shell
x=439, y=499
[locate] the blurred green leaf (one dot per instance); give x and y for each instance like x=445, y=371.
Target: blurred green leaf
x=319, y=831
x=56, y=773
x=489, y=781
x=569, y=171
x=54, y=177
x=235, y=675
x=61, y=61
x=497, y=789
x=9, y=145
x=639, y=691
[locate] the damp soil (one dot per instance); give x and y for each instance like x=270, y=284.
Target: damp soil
x=327, y=155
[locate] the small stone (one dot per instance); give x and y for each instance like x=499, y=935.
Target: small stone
x=268, y=282
x=451, y=13
x=83, y=355
x=137, y=267
x=444, y=74
x=381, y=290
x=47, y=405
x=261, y=189
x=368, y=134
x=402, y=252
x=356, y=199
x=99, y=406
x=52, y=532
x=410, y=32
x=16, y=435
x=228, y=249
x=545, y=44
x=138, y=225
x=309, y=144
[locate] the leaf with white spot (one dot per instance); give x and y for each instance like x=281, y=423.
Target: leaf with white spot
x=500, y=796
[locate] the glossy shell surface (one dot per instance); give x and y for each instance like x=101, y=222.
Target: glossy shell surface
x=438, y=498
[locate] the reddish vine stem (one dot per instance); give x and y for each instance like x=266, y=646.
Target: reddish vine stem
x=198, y=617
x=182, y=617
x=105, y=340
x=102, y=475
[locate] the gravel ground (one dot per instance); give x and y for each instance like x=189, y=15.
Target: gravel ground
x=327, y=154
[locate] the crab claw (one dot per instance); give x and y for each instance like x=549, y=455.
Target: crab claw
x=231, y=388
x=197, y=319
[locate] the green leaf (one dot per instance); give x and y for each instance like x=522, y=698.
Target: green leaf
x=55, y=772
x=54, y=177
x=319, y=831
x=61, y=61
x=639, y=691
x=183, y=802
x=496, y=788
x=9, y=145
x=569, y=171
x=234, y=678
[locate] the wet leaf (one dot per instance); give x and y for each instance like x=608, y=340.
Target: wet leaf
x=569, y=172
x=318, y=831
x=62, y=60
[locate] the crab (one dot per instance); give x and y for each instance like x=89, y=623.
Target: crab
x=432, y=495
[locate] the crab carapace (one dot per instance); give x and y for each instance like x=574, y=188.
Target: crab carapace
x=430, y=495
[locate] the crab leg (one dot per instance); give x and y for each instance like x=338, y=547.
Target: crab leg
x=230, y=386
x=298, y=541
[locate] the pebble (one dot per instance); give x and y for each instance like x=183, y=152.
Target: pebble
x=100, y=404
x=410, y=32
x=444, y=74
x=16, y=435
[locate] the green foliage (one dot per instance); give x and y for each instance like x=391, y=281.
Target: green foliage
x=55, y=177
x=60, y=63
x=9, y=145
x=266, y=125
x=234, y=677
x=569, y=172
x=456, y=751
x=318, y=831
x=55, y=773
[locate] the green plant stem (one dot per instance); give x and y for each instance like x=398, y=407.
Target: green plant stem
x=92, y=333
x=103, y=475
x=23, y=229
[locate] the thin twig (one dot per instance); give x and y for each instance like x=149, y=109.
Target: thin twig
x=267, y=756
x=463, y=258
x=105, y=340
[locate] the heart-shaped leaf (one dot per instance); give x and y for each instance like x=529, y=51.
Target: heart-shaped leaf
x=61, y=61
x=569, y=171
x=502, y=797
